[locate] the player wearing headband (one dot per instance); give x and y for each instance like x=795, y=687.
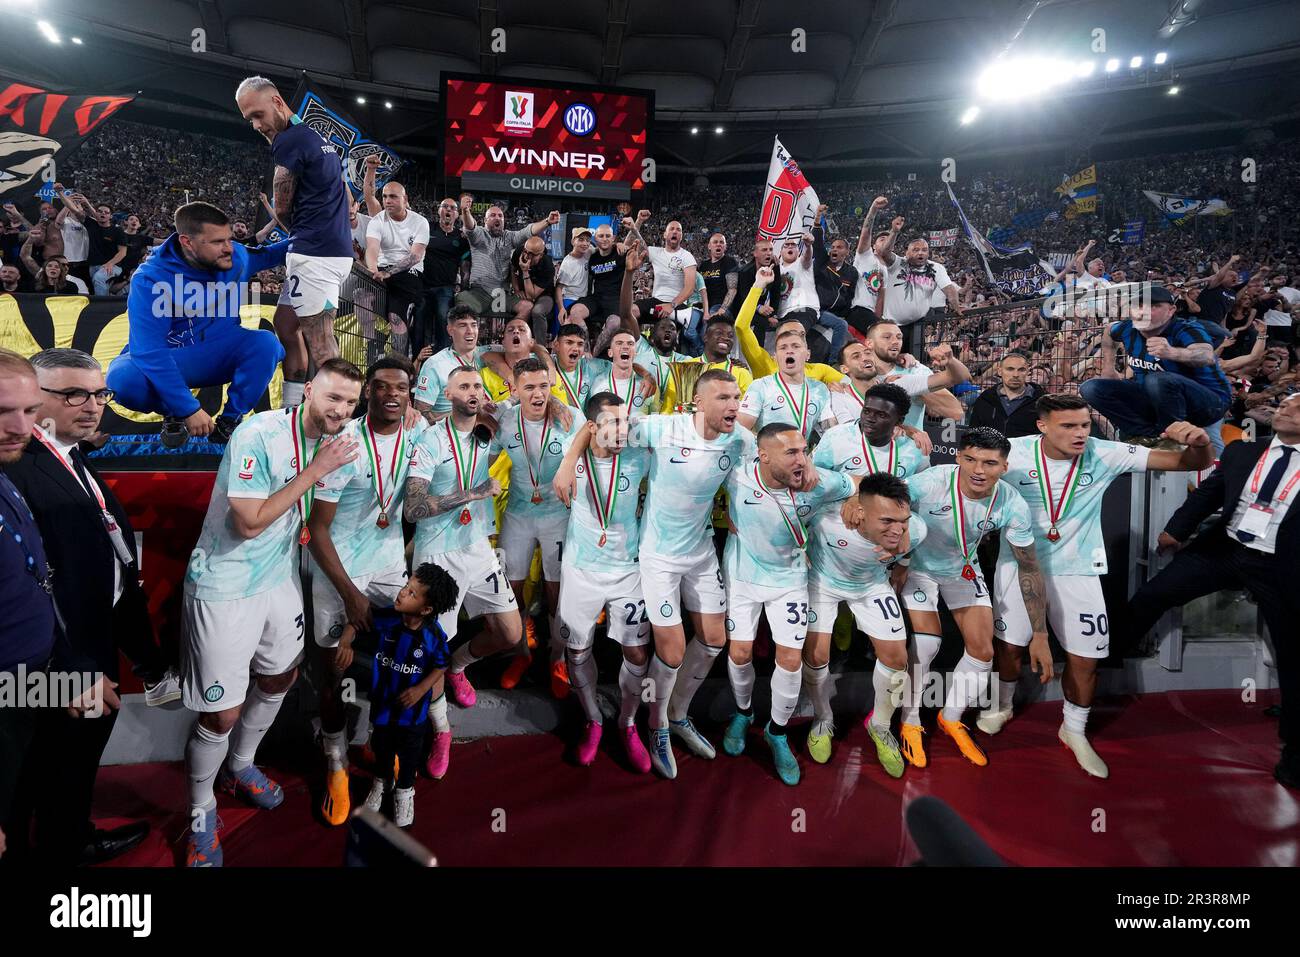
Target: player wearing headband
x=242, y=611
x=959, y=505
x=1063, y=474
x=691, y=456
x=359, y=557
x=448, y=497
x=861, y=567
x=770, y=498
x=601, y=573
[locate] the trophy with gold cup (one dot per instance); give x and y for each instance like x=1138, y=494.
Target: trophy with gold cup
x=686, y=375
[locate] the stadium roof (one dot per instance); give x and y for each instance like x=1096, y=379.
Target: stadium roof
x=875, y=81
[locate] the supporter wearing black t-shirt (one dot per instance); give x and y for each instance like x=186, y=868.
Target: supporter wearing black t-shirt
x=714, y=271
x=447, y=250
x=606, y=271
x=106, y=239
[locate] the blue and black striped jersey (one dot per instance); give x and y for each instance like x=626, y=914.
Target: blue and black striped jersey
x=403, y=658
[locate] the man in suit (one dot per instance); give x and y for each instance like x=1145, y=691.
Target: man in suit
x=92, y=554
x=1253, y=544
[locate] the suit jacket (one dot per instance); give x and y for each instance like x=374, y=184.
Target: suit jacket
x=81, y=559
x=1222, y=491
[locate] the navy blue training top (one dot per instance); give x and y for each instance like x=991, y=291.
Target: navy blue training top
x=319, y=219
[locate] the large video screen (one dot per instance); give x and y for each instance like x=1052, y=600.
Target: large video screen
x=536, y=138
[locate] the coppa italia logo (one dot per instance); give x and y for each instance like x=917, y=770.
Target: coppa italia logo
x=519, y=113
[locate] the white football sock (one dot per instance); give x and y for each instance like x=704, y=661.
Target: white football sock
x=438, y=713
x=462, y=657
x=882, y=706
x=969, y=681
x=785, y=695
x=1076, y=718
x=582, y=679
x=742, y=683
x=662, y=679
x=1006, y=694
x=335, y=744
x=817, y=681
x=255, y=720
x=204, y=752
x=695, y=668
x=630, y=677
x=290, y=394
x=919, y=655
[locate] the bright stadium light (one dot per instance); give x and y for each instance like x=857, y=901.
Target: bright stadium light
x=1084, y=69
x=48, y=31
x=1173, y=91
x=1135, y=63
x=1161, y=57
x=77, y=40
x=718, y=130
x=1112, y=65
x=1018, y=79
x=694, y=130
x=970, y=116
x=361, y=100
x=388, y=104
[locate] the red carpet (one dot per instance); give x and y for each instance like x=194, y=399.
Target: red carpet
x=1191, y=784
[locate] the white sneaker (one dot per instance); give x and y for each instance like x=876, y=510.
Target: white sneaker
x=165, y=691
x=993, y=721
x=404, y=806
x=375, y=799
x=695, y=742
x=1088, y=759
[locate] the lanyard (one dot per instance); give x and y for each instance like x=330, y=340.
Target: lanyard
x=372, y=451
x=464, y=469
x=304, y=503
x=575, y=392
x=867, y=450
x=92, y=488
x=959, y=519
x=464, y=363
x=796, y=527
x=614, y=388
x=604, y=509
x=860, y=397
x=1259, y=470
x=534, y=471
x=1055, y=510
x=800, y=410
x=29, y=560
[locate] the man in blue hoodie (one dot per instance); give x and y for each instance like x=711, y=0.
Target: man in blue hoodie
x=185, y=333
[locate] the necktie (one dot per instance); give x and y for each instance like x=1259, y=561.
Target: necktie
x=1271, y=482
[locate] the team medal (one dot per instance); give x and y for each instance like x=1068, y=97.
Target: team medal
x=799, y=411
x=1055, y=510
x=795, y=526
x=959, y=524
x=299, y=453
x=372, y=452
x=464, y=470
x=604, y=509
x=535, y=471
x=574, y=391
x=867, y=451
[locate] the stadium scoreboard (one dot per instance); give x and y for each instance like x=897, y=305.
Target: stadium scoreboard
x=523, y=137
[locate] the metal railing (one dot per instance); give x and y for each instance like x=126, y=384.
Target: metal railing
x=361, y=323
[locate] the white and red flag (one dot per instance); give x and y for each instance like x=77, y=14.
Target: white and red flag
x=789, y=202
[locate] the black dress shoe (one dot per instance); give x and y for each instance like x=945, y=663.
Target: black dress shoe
x=1287, y=774
x=106, y=845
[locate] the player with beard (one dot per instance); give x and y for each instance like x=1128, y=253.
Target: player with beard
x=959, y=505
x=719, y=338
x=448, y=497
x=768, y=500
x=242, y=611
x=533, y=437
x=863, y=567
x=691, y=456
x=517, y=344
x=1063, y=475
x=886, y=341
x=858, y=362
x=788, y=395
x=311, y=201
x=601, y=574
x=359, y=560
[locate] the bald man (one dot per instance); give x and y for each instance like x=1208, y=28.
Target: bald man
x=395, y=243
x=312, y=204
x=532, y=276
x=674, y=273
